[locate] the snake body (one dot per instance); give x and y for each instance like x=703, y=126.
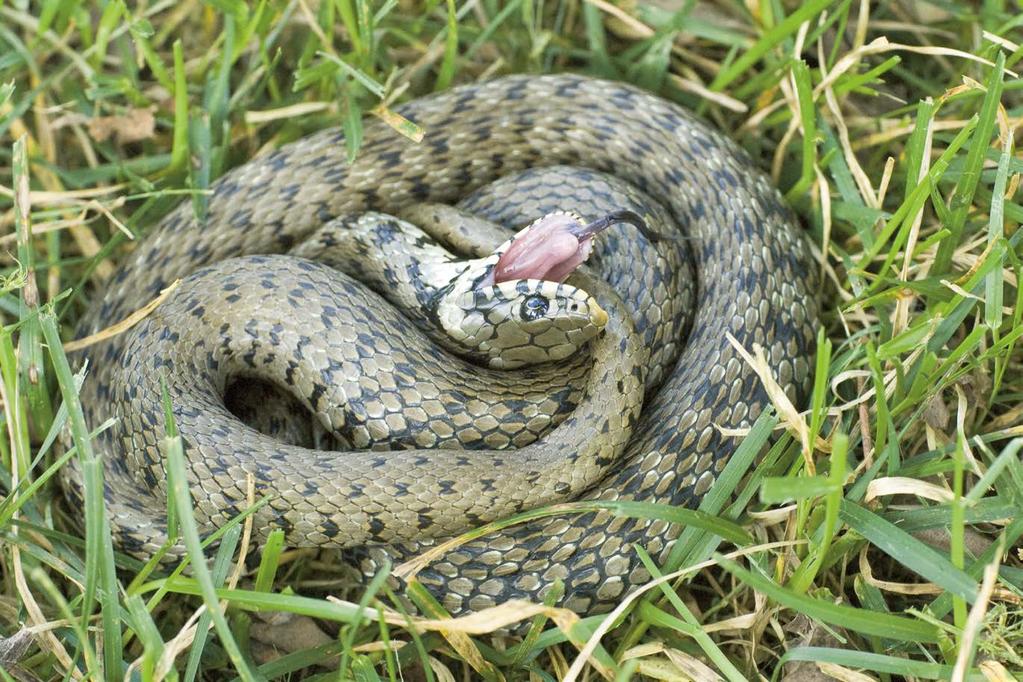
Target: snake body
x=471, y=444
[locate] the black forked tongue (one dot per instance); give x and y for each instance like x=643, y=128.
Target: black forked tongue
x=555, y=245
x=612, y=218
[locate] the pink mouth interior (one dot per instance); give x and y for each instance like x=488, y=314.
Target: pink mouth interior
x=547, y=251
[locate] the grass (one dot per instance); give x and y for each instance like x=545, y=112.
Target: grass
x=875, y=533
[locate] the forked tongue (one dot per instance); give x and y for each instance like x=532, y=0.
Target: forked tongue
x=555, y=245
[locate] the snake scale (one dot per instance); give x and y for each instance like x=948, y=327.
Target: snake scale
x=641, y=412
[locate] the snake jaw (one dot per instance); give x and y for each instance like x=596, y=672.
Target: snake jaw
x=550, y=248
x=554, y=246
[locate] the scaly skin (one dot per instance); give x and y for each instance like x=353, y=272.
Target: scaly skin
x=365, y=372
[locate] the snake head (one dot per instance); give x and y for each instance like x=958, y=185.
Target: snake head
x=522, y=322
x=513, y=308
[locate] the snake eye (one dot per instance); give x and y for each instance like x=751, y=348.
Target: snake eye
x=534, y=307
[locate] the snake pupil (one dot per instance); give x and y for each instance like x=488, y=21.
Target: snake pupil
x=534, y=307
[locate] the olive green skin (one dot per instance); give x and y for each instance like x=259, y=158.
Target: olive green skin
x=374, y=374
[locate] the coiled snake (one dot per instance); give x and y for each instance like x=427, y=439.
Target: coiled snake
x=425, y=444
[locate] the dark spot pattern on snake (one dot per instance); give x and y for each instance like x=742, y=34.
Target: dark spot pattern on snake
x=505, y=152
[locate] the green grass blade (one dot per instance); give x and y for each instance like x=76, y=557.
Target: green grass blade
x=849, y=617
x=101, y=572
x=914, y=554
x=970, y=178
x=880, y=663
x=221, y=565
x=781, y=31
x=177, y=483
x=446, y=73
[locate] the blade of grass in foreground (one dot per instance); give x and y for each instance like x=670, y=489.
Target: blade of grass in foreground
x=270, y=601
x=177, y=483
x=370, y=594
x=149, y=635
x=101, y=572
x=772, y=37
x=269, y=561
x=970, y=178
x=849, y=617
x=880, y=663
x=461, y=642
x=689, y=625
x=803, y=577
x=637, y=510
x=31, y=365
x=221, y=565
x=693, y=544
x=86, y=648
x=909, y=551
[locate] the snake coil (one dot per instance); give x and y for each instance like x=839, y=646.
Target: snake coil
x=560, y=140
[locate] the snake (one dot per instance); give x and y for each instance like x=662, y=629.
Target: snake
x=544, y=300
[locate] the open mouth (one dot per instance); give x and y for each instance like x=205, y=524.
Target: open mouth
x=554, y=246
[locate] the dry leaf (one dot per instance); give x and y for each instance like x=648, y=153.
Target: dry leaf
x=936, y=414
x=135, y=125
x=287, y=635
x=122, y=326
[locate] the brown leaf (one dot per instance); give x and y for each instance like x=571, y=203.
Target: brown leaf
x=285, y=633
x=936, y=414
x=132, y=126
